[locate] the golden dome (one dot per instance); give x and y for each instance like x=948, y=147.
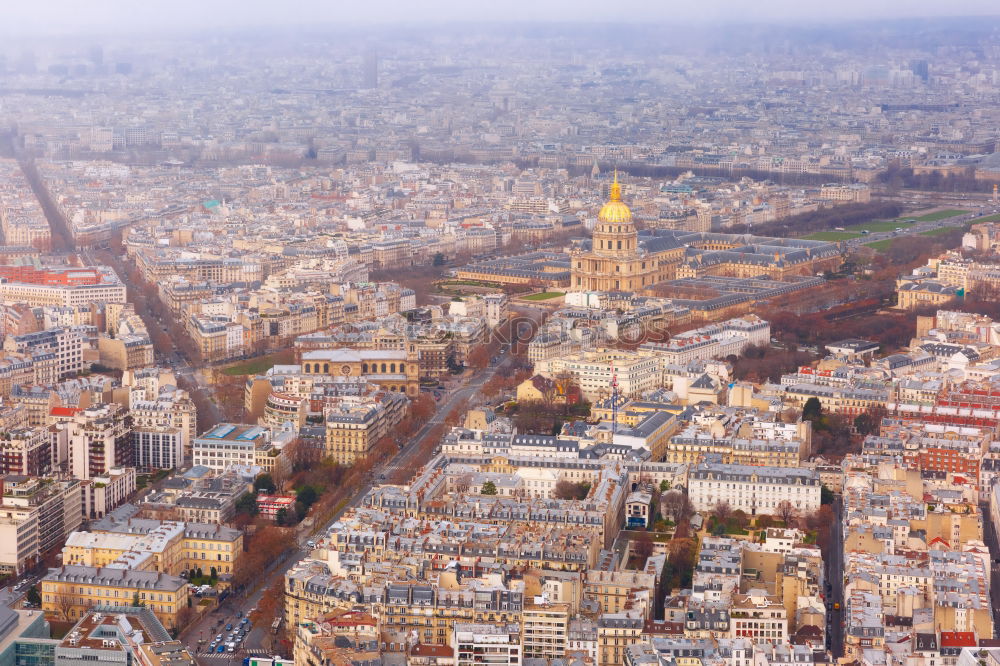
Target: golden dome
x=615, y=211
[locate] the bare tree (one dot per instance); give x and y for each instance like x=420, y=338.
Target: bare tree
x=550, y=392
x=567, y=490
x=643, y=546
x=479, y=357
x=184, y=617
x=676, y=505
x=722, y=511
x=786, y=511
x=64, y=604
x=463, y=483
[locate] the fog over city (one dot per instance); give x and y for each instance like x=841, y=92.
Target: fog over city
x=19, y=17
x=444, y=333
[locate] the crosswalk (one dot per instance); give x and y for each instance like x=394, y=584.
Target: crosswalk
x=229, y=655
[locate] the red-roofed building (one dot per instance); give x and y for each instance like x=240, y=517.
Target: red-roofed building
x=952, y=642
x=64, y=412
x=430, y=654
x=51, y=276
x=269, y=505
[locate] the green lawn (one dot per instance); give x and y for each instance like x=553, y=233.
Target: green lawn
x=543, y=296
x=831, y=236
x=261, y=364
x=881, y=245
x=988, y=218
x=940, y=215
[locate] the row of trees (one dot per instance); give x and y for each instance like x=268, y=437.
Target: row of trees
x=678, y=570
x=767, y=364
x=262, y=548
x=829, y=218
x=897, y=177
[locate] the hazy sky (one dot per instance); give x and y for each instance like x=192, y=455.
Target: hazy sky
x=100, y=16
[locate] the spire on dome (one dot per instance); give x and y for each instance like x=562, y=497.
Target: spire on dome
x=615, y=211
x=616, y=189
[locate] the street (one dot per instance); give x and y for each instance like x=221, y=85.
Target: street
x=990, y=538
x=835, y=580
x=199, y=635
x=918, y=227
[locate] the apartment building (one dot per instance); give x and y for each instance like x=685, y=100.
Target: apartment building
x=167, y=546
x=430, y=609
x=66, y=345
x=103, y=494
x=111, y=291
x=197, y=498
x=15, y=370
x=544, y=630
x=851, y=400
x=162, y=430
x=755, y=490
x=492, y=308
x=354, y=426
x=69, y=592
x=615, y=591
x=912, y=294
x=852, y=192
x=217, y=339
x=594, y=372
x=126, y=352
x=719, y=340
x=342, y=637
x=26, y=451
x=759, y=617
x=228, y=444
x=496, y=306
x=98, y=439
x=36, y=515
x=615, y=633
x=746, y=439
x=489, y=644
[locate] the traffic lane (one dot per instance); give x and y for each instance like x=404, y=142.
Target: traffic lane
x=215, y=622
x=209, y=625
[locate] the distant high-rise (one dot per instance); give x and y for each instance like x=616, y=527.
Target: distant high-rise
x=97, y=55
x=920, y=69
x=370, y=69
